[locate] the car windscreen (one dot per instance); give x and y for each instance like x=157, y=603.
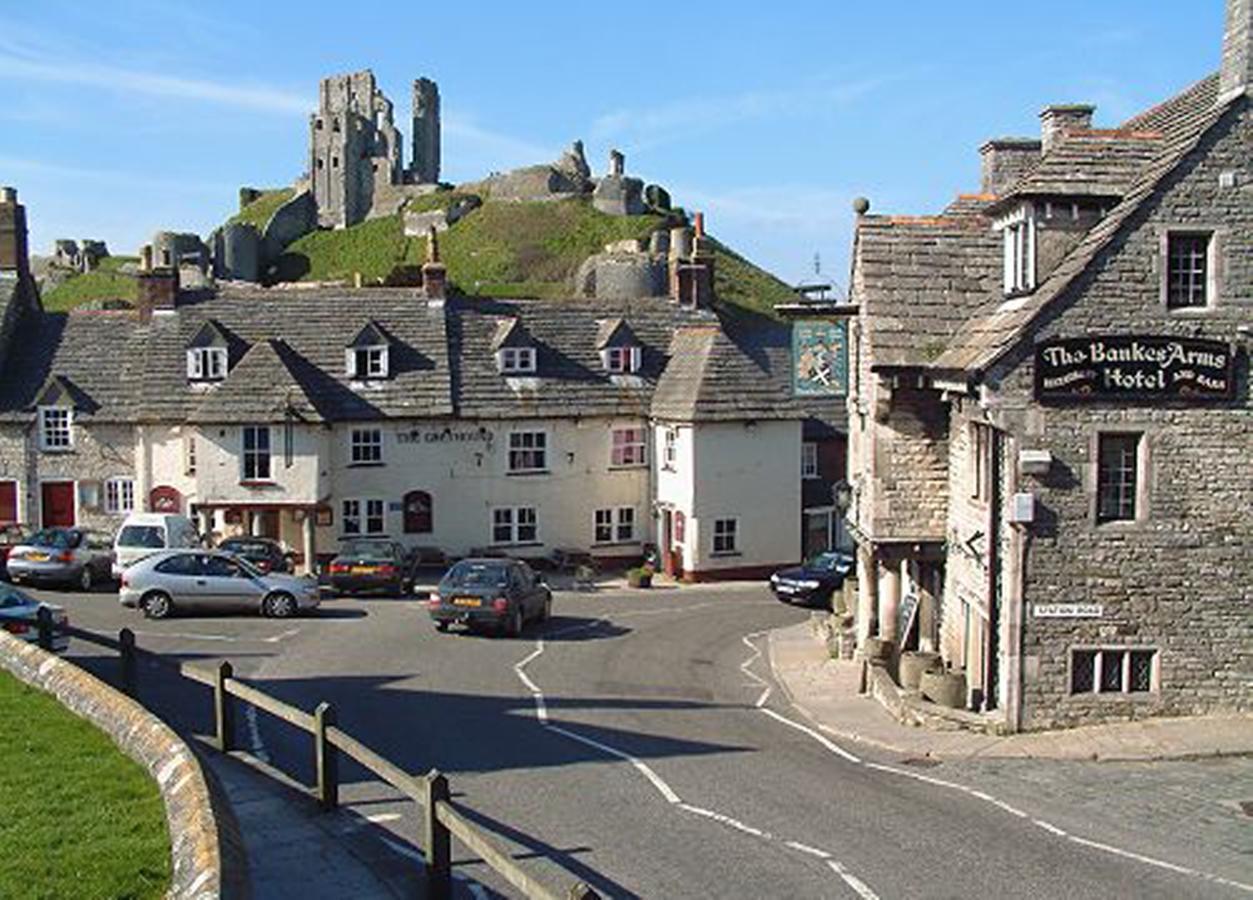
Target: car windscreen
x=475, y=574
x=366, y=549
x=828, y=562
x=11, y=598
x=55, y=538
x=149, y=536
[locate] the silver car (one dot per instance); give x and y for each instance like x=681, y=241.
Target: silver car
x=207, y=580
x=63, y=556
x=19, y=614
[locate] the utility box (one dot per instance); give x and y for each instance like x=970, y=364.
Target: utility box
x=1034, y=462
x=1022, y=509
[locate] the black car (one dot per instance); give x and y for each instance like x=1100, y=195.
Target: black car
x=266, y=554
x=813, y=582
x=503, y=594
x=371, y=565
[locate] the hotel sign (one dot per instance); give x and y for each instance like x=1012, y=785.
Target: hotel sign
x=820, y=358
x=1112, y=367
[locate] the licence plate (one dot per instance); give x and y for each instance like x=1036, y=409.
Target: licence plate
x=37, y=557
x=363, y=570
x=466, y=601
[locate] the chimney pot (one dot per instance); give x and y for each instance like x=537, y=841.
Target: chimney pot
x=1004, y=161
x=14, y=252
x=1059, y=118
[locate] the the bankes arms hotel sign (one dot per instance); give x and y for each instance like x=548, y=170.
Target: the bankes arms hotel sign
x=1111, y=366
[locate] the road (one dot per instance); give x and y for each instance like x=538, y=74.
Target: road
x=639, y=740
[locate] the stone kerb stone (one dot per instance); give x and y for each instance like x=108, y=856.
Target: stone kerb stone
x=198, y=832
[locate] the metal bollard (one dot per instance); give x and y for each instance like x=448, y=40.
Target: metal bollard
x=126, y=640
x=43, y=620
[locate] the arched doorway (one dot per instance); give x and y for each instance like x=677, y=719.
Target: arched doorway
x=418, y=513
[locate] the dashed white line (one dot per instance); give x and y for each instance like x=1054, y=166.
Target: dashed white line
x=863, y=890
x=805, y=848
x=830, y=745
x=640, y=766
x=1049, y=827
x=727, y=820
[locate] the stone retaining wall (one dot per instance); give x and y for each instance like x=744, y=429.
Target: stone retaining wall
x=203, y=835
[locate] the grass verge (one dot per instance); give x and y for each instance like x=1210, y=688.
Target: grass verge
x=78, y=818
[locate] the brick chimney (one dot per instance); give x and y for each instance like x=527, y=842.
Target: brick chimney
x=1236, y=77
x=1059, y=118
x=157, y=292
x=14, y=255
x=434, y=273
x=696, y=274
x=1004, y=161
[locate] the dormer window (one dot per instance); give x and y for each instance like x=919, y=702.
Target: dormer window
x=515, y=360
x=206, y=363
x=1019, y=237
x=621, y=360
x=367, y=357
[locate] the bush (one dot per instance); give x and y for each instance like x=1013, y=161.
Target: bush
x=640, y=577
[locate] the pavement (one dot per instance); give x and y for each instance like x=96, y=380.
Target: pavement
x=826, y=691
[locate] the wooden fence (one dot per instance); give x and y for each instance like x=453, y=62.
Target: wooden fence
x=441, y=818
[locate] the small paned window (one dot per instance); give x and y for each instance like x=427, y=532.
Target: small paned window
x=351, y=519
x=615, y=525
x=364, y=516
x=670, y=449
x=1117, y=470
x=1112, y=670
x=515, y=525
x=980, y=461
x=1187, y=270
x=528, y=451
x=502, y=526
x=367, y=362
x=628, y=447
x=809, y=460
x=206, y=363
x=604, y=526
x=375, y=517
x=621, y=359
x=55, y=432
x=256, y=460
x=119, y=495
x=516, y=359
x=1019, y=250
x=189, y=454
x=366, y=446
x=725, y=536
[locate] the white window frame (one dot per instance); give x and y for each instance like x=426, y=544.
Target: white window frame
x=119, y=496
x=256, y=454
x=726, y=536
x=621, y=360
x=1018, y=231
x=363, y=516
x=1212, y=258
x=56, y=429
x=206, y=363
x=189, y=454
x=809, y=459
x=614, y=525
x=626, y=454
x=376, y=358
x=670, y=449
x=365, y=447
x=537, y=452
x=521, y=524
x=516, y=360
x=980, y=461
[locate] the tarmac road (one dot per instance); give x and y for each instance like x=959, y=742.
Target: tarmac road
x=639, y=740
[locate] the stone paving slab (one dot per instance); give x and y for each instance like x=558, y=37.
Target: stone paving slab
x=826, y=690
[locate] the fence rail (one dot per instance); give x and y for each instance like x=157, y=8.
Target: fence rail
x=441, y=819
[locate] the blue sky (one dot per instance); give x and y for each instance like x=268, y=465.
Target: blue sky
x=770, y=116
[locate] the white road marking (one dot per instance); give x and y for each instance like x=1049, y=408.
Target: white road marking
x=383, y=817
x=805, y=848
x=1047, y=826
x=282, y=636
x=221, y=638
x=640, y=766
x=744, y=667
x=805, y=729
x=863, y=890
x=726, y=820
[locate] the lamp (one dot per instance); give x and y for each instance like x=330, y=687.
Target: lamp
x=842, y=495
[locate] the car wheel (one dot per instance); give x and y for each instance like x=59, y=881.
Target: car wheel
x=441, y=626
x=86, y=580
x=515, y=622
x=279, y=606
x=157, y=605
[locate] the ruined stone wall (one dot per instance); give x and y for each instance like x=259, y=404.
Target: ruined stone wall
x=910, y=447
x=1181, y=579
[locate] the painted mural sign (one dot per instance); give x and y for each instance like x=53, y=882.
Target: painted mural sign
x=1111, y=367
x=820, y=358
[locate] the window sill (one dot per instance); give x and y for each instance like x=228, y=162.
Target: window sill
x=57, y=451
x=627, y=466
x=725, y=554
x=257, y=483
x=365, y=465
x=1108, y=696
x=611, y=544
x=525, y=472
x=524, y=544
x=1184, y=311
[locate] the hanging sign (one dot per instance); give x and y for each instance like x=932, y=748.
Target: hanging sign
x=820, y=358
x=1115, y=367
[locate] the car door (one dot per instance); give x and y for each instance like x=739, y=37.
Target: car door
x=229, y=585
x=181, y=576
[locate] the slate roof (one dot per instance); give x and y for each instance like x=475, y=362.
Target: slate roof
x=1089, y=164
x=265, y=386
x=1002, y=322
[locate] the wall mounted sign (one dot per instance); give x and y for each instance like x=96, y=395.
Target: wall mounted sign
x=820, y=358
x=165, y=499
x=448, y=435
x=1067, y=610
x=1111, y=367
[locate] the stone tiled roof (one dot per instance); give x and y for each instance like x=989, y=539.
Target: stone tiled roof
x=918, y=278
x=969, y=205
x=266, y=385
x=1001, y=323
x=1090, y=164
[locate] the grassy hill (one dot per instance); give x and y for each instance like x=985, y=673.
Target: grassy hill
x=105, y=283
x=258, y=212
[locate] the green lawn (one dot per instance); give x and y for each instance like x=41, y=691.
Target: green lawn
x=258, y=212
x=105, y=283
x=78, y=818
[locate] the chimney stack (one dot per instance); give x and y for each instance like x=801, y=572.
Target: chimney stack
x=157, y=292
x=14, y=255
x=692, y=265
x=1236, y=77
x=434, y=273
x=1004, y=161
x=1059, y=118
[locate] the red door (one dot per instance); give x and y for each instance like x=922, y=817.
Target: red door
x=8, y=501
x=58, y=504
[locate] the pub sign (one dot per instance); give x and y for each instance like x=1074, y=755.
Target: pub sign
x=1143, y=367
x=820, y=358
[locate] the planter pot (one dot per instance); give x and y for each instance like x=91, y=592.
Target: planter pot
x=877, y=650
x=914, y=663
x=944, y=688
x=639, y=581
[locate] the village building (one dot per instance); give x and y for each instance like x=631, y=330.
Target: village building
x=464, y=425
x=1050, y=417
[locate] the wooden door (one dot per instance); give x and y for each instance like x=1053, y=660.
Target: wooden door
x=57, y=506
x=8, y=502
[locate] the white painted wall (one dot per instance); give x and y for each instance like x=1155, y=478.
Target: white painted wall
x=219, y=468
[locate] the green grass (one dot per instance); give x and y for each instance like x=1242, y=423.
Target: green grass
x=440, y=199
x=740, y=283
x=258, y=212
x=77, y=817
x=105, y=283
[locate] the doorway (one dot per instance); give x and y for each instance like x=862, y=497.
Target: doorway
x=57, y=504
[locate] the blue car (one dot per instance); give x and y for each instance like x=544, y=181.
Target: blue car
x=813, y=582
x=19, y=617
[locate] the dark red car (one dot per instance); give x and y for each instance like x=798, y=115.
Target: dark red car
x=266, y=554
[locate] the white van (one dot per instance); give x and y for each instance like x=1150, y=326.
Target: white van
x=145, y=533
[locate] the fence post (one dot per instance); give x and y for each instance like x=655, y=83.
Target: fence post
x=326, y=757
x=223, y=708
x=126, y=640
x=438, y=843
x=43, y=621
x=582, y=891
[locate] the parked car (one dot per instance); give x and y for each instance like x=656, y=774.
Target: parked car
x=366, y=564
x=210, y=580
x=19, y=616
x=145, y=533
x=11, y=535
x=266, y=554
x=813, y=582
x=64, y=556
x=501, y=593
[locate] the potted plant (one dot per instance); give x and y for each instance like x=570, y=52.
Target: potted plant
x=640, y=576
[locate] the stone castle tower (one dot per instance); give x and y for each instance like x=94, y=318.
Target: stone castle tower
x=425, y=168
x=355, y=148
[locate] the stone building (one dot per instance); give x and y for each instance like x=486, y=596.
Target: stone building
x=1050, y=417
x=313, y=415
